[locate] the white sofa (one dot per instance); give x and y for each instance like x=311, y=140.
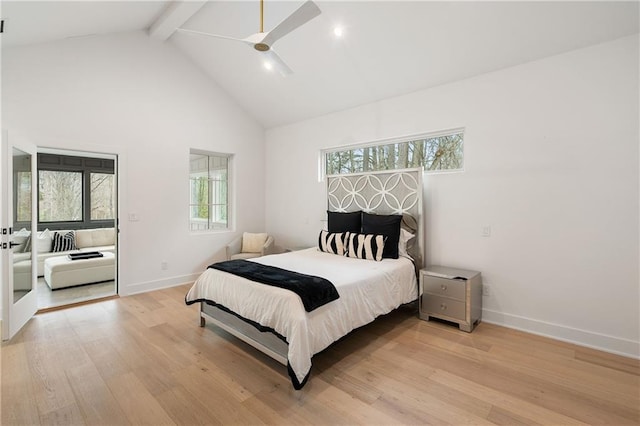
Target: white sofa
x=100, y=239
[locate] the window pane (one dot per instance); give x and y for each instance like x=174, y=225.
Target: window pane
x=59, y=196
x=208, y=189
x=102, y=196
x=23, y=195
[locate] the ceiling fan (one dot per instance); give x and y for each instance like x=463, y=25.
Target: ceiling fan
x=263, y=41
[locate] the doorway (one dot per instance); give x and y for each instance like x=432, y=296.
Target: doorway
x=77, y=230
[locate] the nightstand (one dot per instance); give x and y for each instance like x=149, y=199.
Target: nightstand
x=451, y=294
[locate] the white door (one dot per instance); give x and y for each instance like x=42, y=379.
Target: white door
x=17, y=223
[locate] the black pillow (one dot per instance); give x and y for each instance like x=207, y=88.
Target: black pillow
x=387, y=225
x=344, y=222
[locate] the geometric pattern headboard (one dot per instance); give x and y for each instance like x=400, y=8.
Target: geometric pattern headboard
x=385, y=192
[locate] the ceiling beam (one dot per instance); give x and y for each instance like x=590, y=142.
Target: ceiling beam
x=176, y=14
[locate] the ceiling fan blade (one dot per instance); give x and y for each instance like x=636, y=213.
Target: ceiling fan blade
x=301, y=16
x=277, y=63
x=212, y=35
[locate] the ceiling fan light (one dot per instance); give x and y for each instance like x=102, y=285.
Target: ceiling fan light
x=338, y=31
x=268, y=65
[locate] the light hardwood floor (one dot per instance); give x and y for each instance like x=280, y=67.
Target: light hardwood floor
x=48, y=298
x=143, y=359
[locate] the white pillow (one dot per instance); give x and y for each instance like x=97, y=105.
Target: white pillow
x=20, y=237
x=253, y=243
x=405, y=237
x=45, y=241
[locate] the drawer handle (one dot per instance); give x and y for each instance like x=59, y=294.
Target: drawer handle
x=443, y=287
x=443, y=307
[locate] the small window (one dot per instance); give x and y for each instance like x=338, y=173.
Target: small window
x=209, y=191
x=103, y=196
x=441, y=152
x=23, y=197
x=59, y=196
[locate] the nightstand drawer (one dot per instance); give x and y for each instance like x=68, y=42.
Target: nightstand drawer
x=454, y=289
x=436, y=305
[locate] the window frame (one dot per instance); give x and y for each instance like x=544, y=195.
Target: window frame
x=230, y=226
x=85, y=166
x=322, y=158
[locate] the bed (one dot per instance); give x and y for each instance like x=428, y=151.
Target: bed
x=274, y=320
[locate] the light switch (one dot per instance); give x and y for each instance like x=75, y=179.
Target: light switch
x=486, y=231
x=133, y=217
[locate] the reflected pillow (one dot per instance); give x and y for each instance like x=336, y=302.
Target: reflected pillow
x=21, y=238
x=387, y=225
x=344, y=222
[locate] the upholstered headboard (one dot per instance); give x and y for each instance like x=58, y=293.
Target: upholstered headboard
x=385, y=192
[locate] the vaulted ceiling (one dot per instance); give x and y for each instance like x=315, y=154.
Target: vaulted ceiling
x=388, y=48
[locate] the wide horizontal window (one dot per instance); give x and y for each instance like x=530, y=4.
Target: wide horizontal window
x=443, y=152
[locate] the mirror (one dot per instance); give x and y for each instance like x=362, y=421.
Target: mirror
x=22, y=214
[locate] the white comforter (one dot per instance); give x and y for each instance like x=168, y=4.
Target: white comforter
x=367, y=289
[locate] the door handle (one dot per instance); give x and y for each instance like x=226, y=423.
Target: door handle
x=12, y=244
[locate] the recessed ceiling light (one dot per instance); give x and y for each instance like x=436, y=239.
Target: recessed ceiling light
x=338, y=31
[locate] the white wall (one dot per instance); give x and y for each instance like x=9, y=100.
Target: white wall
x=551, y=164
x=141, y=99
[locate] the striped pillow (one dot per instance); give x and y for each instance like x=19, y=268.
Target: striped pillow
x=64, y=242
x=332, y=242
x=365, y=246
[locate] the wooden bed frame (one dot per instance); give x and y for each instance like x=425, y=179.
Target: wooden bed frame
x=388, y=192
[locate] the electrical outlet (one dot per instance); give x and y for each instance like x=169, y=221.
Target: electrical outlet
x=164, y=265
x=486, y=290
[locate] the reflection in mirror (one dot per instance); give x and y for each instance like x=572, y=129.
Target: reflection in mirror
x=21, y=238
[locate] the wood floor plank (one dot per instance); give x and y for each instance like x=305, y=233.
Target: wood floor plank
x=51, y=388
x=184, y=408
x=143, y=359
x=19, y=406
x=96, y=402
x=64, y=416
x=144, y=409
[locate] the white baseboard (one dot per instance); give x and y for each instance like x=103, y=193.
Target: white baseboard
x=144, y=287
x=603, y=342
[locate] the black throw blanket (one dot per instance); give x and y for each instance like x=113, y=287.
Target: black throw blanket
x=314, y=291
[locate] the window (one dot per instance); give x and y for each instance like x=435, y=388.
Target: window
x=74, y=192
x=441, y=152
x=59, y=196
x=102, y=196
x=23, y=197
x=209, y=191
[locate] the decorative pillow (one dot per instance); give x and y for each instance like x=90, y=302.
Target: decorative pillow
x=253, y=243
x=21, y=238
x=344, y=222
x=387, y=225
x=405, y=237
x=331, y=242
x=43, y=241
x=64, y=242
x=366, y=246
x=27, y=245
